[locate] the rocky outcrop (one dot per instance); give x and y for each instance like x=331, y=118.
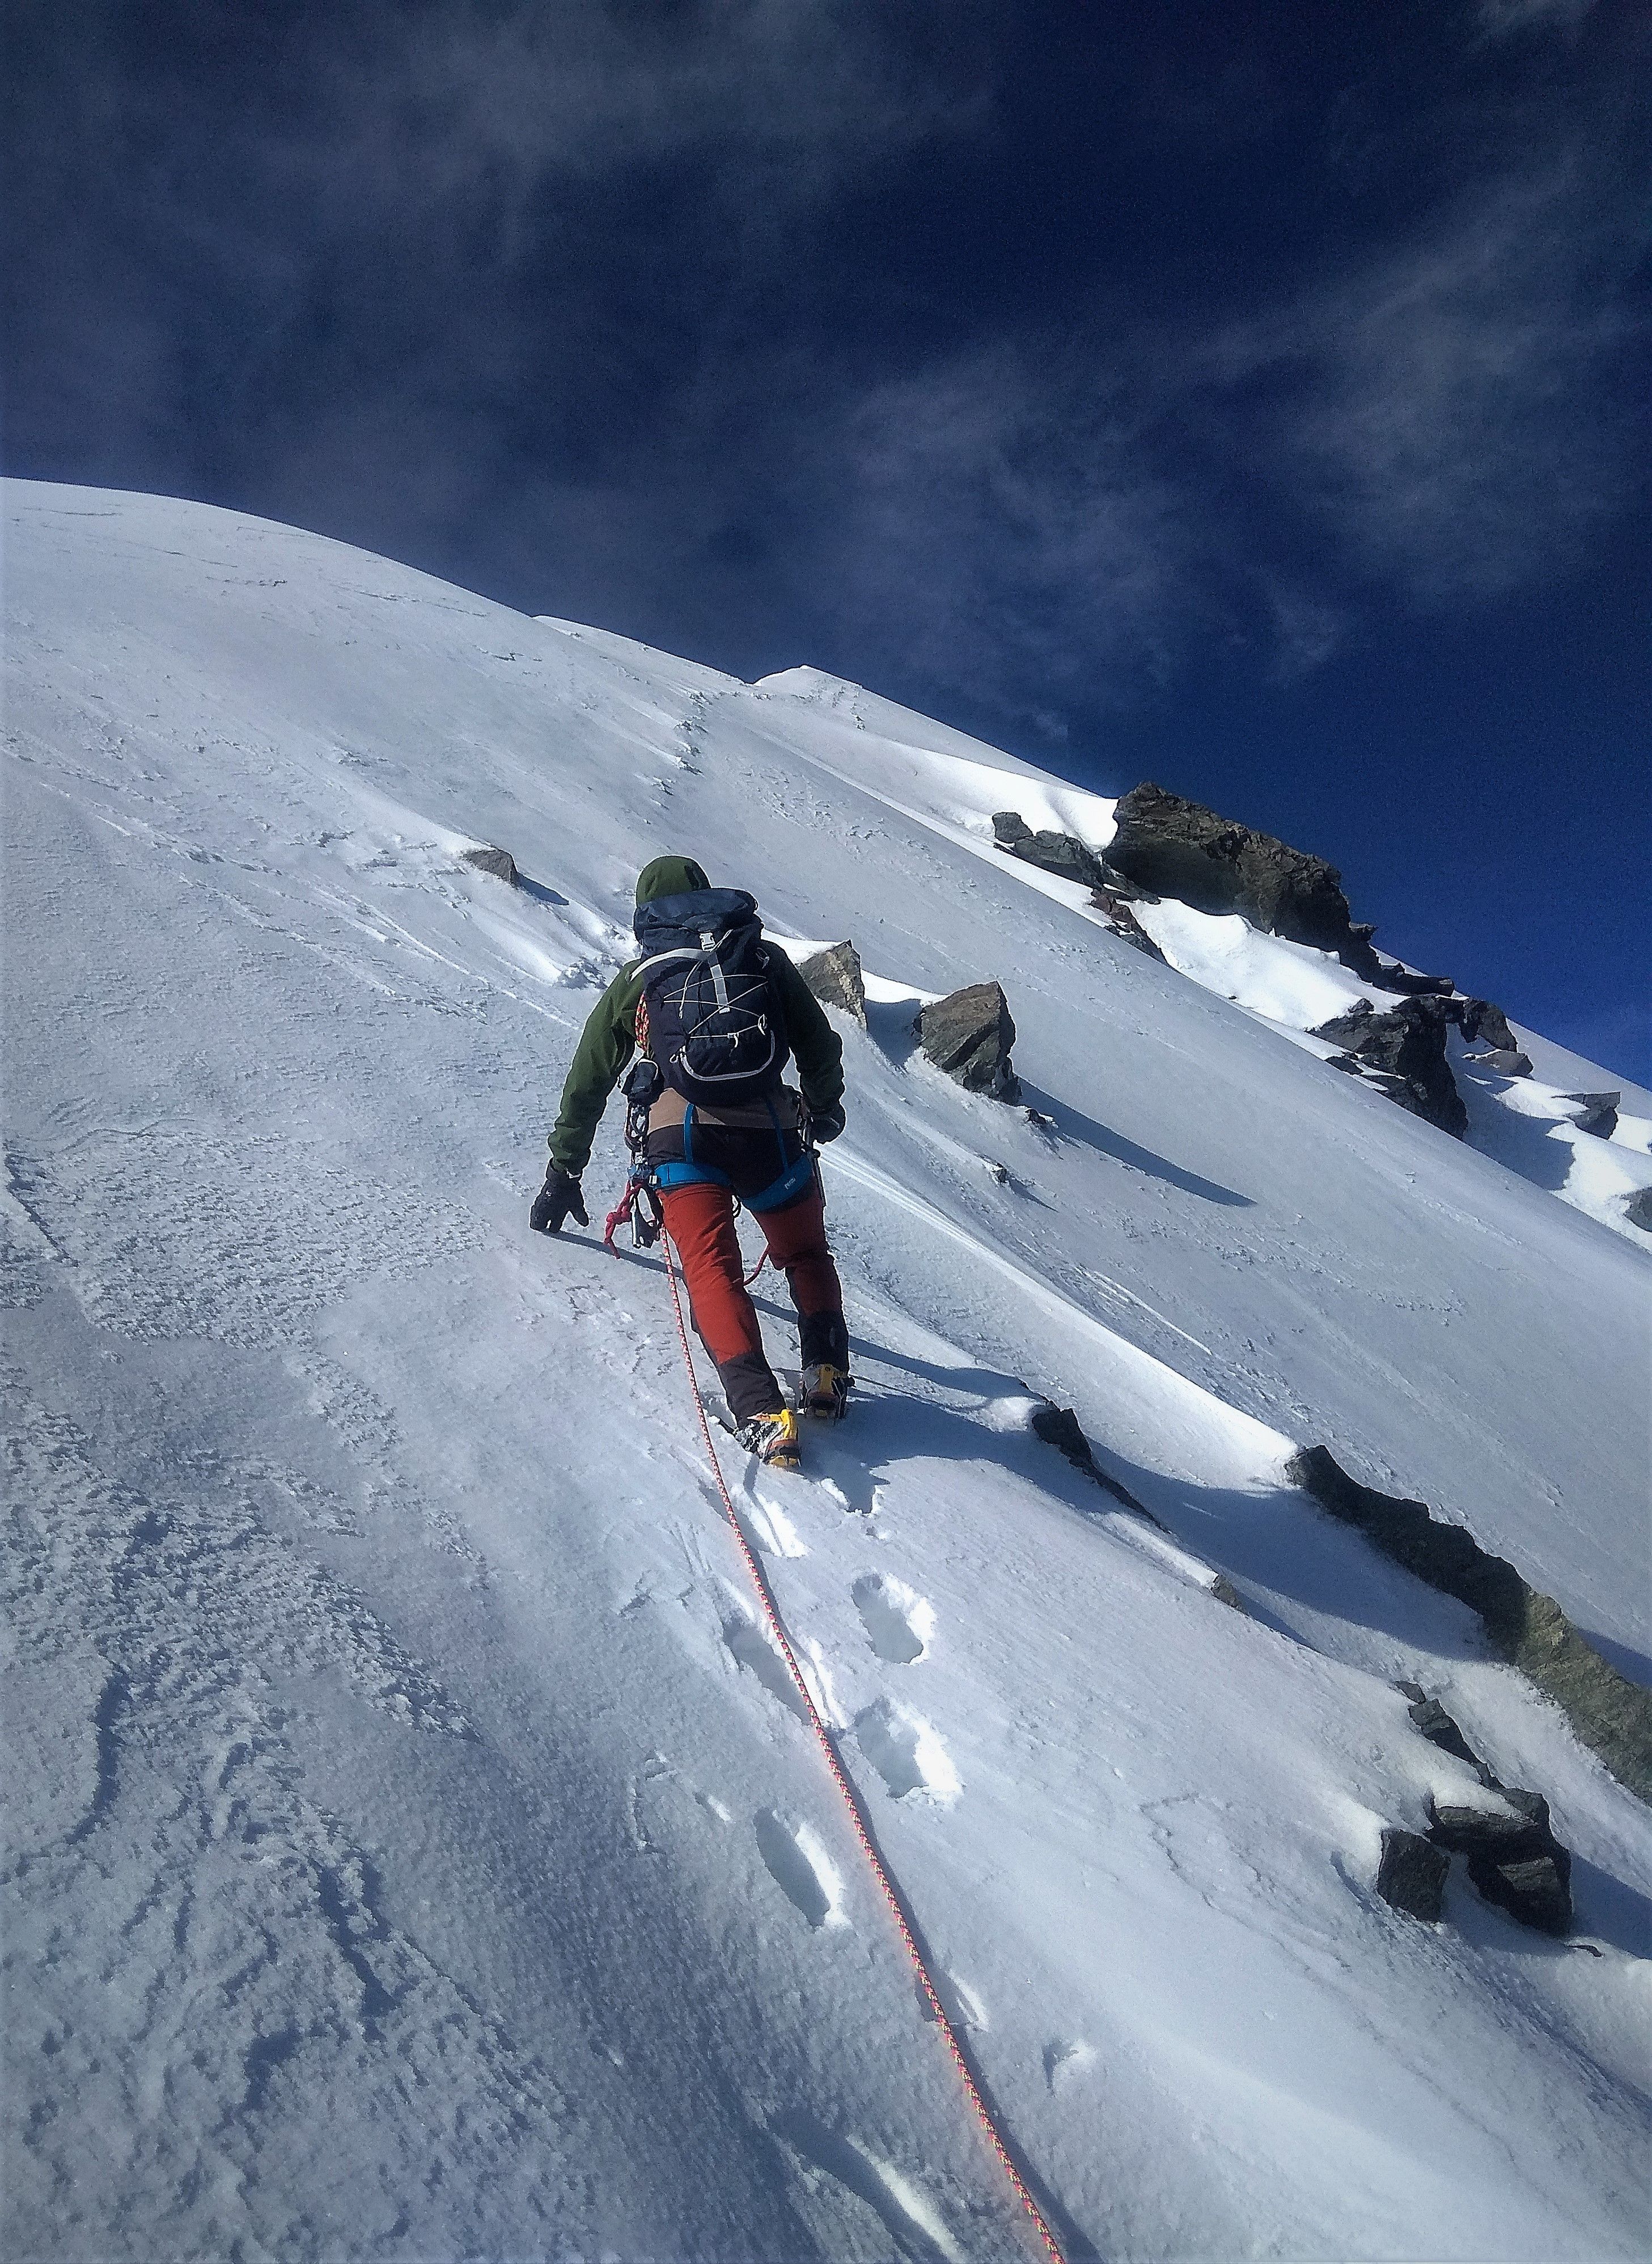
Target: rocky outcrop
x=1111, y=892
x=1059, y=1427
x=1431, y=1721
x=1504, y=1061
x=834, y=977
x=1390, y=975
x=1513, y=1857
x=1478, y=1020
x=1179, y=848
x=1403, y=1049
x=1610, y=1713
x=1121, y=917
x=497, y=862
x=1638, y=1209
x=969, y=1034
x=1063, y=853
x=1597, y=1112
x=1412, y=1873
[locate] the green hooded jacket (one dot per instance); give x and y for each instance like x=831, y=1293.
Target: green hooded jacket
x=609, y=1037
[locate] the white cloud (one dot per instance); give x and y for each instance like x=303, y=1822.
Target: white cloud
x=1503, y=20
x=1447, y=425
x=1001, y=520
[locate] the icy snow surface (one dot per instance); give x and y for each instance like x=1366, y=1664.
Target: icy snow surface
x=413, y=1850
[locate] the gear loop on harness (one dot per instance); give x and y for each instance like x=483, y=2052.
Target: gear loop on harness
x=904, y=1925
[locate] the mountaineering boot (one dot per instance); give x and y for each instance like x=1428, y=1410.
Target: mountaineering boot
x=824, y=1391
x=772, y=1438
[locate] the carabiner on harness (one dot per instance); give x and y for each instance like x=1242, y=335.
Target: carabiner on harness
x=639, y=1205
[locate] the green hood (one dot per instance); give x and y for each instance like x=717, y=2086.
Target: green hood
x=669, y=876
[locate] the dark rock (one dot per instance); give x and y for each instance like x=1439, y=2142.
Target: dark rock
x=1437, y=1725
x=1405, y=1045
x=834, y=977
x=1390, y=975
x=1060, y=1428
x=1535, y=1891
x=1052, y=852
x=1612, y=1714
x=1504, y=1062
x=1042, y=1123
x=499, y=863
x=1178, y=848
x=1599, y=1111
x=1123, y=920
x=1513, y=1857
x=1113, y=883
x=1638, y=1209
x=1480, y=1021
x=1412, y=1874
x=969, y=1035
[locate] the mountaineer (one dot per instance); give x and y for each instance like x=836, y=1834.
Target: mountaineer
x=715, y=1013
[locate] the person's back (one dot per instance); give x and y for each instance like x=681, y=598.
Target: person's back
x=715, y=1014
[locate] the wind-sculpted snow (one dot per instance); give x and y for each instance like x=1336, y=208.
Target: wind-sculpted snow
x=180, y=1231
x=414, y=1849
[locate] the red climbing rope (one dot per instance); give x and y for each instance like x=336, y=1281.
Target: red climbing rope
x=852, y=1799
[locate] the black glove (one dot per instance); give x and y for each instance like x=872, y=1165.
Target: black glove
x=826, y=1123
x=558, y=1199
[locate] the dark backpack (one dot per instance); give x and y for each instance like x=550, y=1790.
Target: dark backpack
x=715, y=1022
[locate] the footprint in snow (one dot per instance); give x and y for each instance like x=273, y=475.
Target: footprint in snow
x=911, y=2219
x=750, y=1646
x=900, y=1623
x=799, y=1865
x=964, y=2007
x=906, y=1753
x=768, y=1528
x=1064, y=2058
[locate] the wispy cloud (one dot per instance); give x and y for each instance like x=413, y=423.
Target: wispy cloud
x=1434, y=427
x=1446, y=414
x=1001, y=518
x=496, y=287
x=261, y=217
x=1504, y=20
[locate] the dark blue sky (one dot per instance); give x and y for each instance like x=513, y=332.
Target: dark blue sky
x=1243, y=397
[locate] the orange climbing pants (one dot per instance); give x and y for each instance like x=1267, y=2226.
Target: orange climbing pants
x=700, y=1220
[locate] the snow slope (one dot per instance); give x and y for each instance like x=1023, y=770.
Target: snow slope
x=412, y=1849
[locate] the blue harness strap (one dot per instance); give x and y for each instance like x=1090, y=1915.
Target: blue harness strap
x=689, y=1173
x=795, y=1181
x=667, y=1176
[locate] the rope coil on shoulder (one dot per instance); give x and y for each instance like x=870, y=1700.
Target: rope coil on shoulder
x=858, y=1819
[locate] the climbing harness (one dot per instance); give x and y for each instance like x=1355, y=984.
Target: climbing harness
x=858, y=1819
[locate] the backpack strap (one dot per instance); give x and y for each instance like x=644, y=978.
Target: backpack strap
x=708, y=947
